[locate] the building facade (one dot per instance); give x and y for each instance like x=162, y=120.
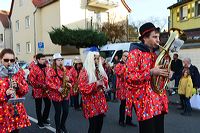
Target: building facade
x=185, y=15
x=33, y=19
x=5, y=30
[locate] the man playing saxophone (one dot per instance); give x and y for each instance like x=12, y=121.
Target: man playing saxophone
x=57, y=81
x=150, y=106
x=37, y=79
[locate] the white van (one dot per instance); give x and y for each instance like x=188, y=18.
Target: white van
x=109, y=51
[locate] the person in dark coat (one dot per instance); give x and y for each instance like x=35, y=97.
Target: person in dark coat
x=176, y=67
x=194, y=72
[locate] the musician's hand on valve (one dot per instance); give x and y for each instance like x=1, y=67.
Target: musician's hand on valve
x=158, y=71
x=99, y=83
x=10, y=91
x=60, y=89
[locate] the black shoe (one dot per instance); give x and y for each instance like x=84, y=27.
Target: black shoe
x=46, y=123
x=40, y=125
x=122, y=124
x=131, y=124
x=78, y=109
x=186, y=114
x=58, y=131
x=64, y=130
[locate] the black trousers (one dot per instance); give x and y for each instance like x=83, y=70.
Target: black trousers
x=122, y=113
x=153, y=125
x=38, y=103
x=96, y=124
x=61, y=108
x=15, y=131
x=76, y=101
x=182, y=101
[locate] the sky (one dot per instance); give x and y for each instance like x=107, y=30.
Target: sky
x=142, y=10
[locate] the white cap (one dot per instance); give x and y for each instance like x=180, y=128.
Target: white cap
x=57, y=56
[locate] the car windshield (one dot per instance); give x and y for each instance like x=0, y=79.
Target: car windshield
x=107, y=54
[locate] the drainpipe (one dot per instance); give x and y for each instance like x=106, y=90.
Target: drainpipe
x=34, y=30
x=11, y=34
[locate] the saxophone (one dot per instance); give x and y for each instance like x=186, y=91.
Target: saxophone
x=66, y=85
x=159, y=82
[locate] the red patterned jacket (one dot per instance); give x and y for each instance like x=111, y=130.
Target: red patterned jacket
x=74, y=74
x=94, y=101
x=53, y=83
x=120, y=84
x=21, y=120
x=147, y=103
x=37, y=79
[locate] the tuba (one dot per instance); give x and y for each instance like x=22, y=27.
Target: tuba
x=66, y=85
x=173, y=44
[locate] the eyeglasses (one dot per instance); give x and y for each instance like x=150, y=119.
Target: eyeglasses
x=125, y=55
x=7, y=60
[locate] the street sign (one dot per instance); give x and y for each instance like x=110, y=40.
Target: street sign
x=40, y=47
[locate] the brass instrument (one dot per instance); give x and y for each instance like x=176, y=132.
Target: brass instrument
x=66, y=85
x=75, y=87
x=159, y=82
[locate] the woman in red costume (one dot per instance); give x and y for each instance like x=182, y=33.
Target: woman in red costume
x=13, y=116
x=92, y=83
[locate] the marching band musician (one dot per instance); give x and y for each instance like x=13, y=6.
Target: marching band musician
x=92, y=82
x=75, y=71
x=59, y=87
x=13, y=116
x=37, y=77
x=150, y=106
x=121, y=90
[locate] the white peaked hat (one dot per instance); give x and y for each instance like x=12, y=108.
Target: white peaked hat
x=57, y=56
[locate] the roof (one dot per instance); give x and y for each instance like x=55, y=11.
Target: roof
x=4, y=18
x=179, y=3
x=42, y=3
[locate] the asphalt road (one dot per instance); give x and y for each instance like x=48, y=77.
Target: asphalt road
x=76, y=123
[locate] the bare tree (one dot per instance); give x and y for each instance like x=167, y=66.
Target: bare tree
x=160, y=22
x=115, y=31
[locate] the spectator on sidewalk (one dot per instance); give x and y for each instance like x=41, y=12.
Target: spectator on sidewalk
x=193, y=72
x=185, y=91
x=176, y=67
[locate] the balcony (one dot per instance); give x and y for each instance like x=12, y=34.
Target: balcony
x=101, y=5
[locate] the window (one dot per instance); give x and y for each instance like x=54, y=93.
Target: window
x=21, y=2
x=184, y=13
x=17, y=25
x=197, y=8
x=27, y=22
x=28, y=47
x=1, y=37
x=18, y=48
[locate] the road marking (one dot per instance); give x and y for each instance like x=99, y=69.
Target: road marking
x=47, y=127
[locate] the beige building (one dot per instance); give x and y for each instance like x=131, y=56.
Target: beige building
x=33, y=19
x=5, y=30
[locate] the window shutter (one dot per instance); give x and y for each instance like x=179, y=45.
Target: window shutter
x=177, y=14
x=192, y=10
x=189, y=9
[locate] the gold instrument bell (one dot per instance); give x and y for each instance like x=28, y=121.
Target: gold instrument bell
x=173, y=44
